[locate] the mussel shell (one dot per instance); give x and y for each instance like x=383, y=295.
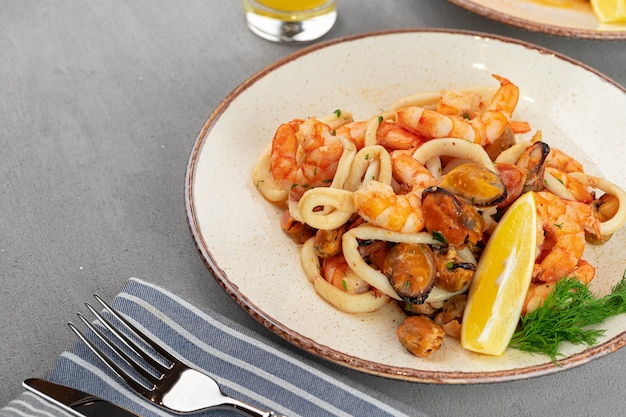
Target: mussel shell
x=504, y=142
x=328, y=242
x=604, y=208
x=453, y=273
x=411, y=271
x=458, y=221
x=533, y=162
x=475, y=184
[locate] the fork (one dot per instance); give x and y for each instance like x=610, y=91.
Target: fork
x=171, y=384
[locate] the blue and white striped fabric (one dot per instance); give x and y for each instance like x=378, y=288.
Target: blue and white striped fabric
x=247, y=365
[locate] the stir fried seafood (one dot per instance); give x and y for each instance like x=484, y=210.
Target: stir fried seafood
x=398, y=208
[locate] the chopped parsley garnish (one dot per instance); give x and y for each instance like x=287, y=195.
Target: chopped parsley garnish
x=439, y=237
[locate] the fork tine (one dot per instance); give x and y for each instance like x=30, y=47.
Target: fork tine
x=132, y=382
x=157, y=347
x=128, y=342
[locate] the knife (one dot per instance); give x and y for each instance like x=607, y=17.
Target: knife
x=77, y=403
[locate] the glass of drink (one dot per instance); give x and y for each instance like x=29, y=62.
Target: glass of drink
x=290, y=20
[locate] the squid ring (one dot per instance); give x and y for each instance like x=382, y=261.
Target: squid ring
x=458, y=148
x=352, y=303
x=338, y=207
x=610, y=226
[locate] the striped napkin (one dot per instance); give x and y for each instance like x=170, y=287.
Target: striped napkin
x=248, y=366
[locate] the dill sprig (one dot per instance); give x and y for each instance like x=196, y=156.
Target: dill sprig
x=565, y=316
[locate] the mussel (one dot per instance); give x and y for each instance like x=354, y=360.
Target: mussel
x=453, y=273
x=533, y=162
x=475, y=184
x=328, y=242
x=420, y=335
x=411, y=271
x=451, y=315
x=458, y=221
x=604, y=208
x=504, y=142
x=299, y=232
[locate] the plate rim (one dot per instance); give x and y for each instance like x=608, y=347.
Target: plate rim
x=325, y=352
x=534, y=26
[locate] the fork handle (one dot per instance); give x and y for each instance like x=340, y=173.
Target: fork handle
x=251, y=411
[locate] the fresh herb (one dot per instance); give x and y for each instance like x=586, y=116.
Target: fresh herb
x=466, y=115
x=380, y=119
x=450, y=266
x=565, y=316
x=439, y=237
x=344, y=284
x=337, y=113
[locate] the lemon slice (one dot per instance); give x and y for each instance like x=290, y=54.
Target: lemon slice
x=502, y=277
x=609, y=11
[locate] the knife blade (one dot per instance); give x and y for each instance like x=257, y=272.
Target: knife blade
x=76, y=402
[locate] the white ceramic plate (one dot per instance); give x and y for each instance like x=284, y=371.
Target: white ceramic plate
x=238, y=233
x=570, y=18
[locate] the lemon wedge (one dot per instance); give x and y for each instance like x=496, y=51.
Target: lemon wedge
x=502, y=277
x=609, y=11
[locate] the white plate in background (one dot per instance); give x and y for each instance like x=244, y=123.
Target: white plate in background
x=568, y=18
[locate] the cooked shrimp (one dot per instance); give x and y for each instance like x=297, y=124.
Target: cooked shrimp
x=389, y=134
x=336, y=271
x=483, y=129
x=539, y=291
x=305, y=154
x=560, y=160
x=465, y=104
x=578, y=190
x=535, y=296
x=393, y=137
x=561, y=245
x=410, y=172
x=380, y=205
x=353, y=131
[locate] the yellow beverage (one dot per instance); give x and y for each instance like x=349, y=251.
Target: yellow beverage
x=290, y=10
x=292, y=5
x=290, y=20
